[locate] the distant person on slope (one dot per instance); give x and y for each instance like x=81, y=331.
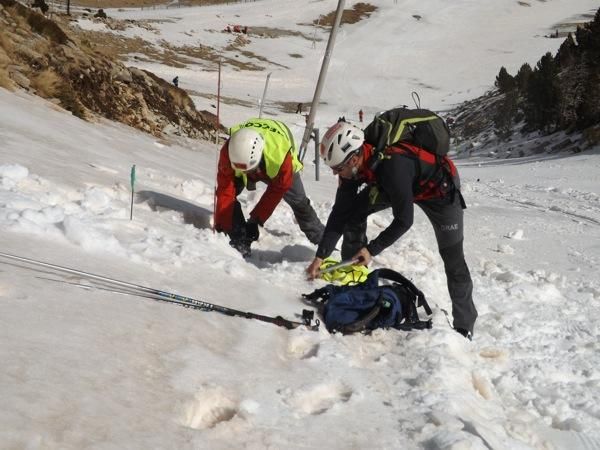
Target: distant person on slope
x=261, y=150
x=398, y=181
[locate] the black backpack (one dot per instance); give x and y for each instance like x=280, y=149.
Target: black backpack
x=369, y=305
x=420, y=127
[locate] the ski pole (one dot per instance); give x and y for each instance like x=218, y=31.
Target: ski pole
x=345, y=263
x=156, y=294
x=80, y=273
x=307, y=315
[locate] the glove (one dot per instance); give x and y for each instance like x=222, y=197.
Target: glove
x=242, y=246
x=252, y=232
x=240, y=241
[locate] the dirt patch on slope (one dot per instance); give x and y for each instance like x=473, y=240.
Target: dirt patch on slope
x=142, y=3
x=356, y=14
x=119, y=47
x=277, y=32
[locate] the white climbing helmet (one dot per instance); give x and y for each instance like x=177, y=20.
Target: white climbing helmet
x=245, y=149
x=340, y=142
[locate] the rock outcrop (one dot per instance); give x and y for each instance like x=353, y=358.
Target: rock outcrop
x=40, y=55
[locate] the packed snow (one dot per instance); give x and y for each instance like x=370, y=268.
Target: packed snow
x=84, y=367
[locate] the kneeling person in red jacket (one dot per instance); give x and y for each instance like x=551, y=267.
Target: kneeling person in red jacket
x=407, y=175
x=261, y=150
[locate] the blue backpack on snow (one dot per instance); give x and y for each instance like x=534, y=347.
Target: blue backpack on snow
x=367, y=306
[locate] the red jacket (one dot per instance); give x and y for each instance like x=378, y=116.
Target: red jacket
x=226, y=190
x=431, y=183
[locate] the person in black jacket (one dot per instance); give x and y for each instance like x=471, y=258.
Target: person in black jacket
x=407, y=175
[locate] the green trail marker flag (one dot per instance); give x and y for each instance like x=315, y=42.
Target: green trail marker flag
x=132, y=190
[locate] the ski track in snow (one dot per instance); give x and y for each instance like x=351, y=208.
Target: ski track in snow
x=568, y=203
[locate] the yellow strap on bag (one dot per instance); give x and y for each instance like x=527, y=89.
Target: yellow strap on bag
x=348, y=275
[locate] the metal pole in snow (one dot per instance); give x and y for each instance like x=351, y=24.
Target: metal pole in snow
x=217, y=145
x=262, y=101
x=218, y=93
x=313, y=108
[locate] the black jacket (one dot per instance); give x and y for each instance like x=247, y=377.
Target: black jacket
x=401, y=180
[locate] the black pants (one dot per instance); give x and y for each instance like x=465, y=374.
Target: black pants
x=446, y=217
x=305, y=215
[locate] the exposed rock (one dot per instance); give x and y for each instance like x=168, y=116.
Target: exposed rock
x=20, y=79
x=34, y=58
x=134, y=71
x=76, y=57
x=88, y=83
x=121, y=74
x=15, y=68
x=564, y=144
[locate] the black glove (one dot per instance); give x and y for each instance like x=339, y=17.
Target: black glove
x=240, y=241
x=252, y=232
x=242, y=246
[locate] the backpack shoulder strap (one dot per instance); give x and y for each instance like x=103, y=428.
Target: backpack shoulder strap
x=392, y=275
x=362, y=323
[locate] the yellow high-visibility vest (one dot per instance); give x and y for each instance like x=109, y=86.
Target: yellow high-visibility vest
x=278, y=142
x=349, y=275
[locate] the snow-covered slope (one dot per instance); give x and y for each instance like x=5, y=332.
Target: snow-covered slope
x=88, y=368
x=451, y=54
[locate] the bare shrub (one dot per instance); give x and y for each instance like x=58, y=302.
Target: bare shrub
x=6, y=49
x=5, y=80
x=69, y=101
x=47, y=28
x=46, y=83
x=6, y=44
x=178, y=96
x=37, y=22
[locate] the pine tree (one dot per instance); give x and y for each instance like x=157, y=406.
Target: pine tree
x=522, y=77
x=588, y=109
x=505, y=115
x=543, y=95
x=567, y=52
x=504, y=81
x=592, y=47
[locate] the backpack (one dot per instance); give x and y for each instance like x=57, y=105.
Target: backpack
x=420, y=127
x=367, y=306
x=423, y=129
